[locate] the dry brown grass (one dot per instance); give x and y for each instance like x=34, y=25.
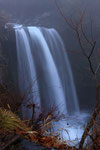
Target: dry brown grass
x=11, y=123
x=38, y=130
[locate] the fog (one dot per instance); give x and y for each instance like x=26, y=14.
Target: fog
x=45, y=13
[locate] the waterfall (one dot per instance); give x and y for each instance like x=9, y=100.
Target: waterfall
x=44, y=68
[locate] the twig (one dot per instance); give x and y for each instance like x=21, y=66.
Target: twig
x=15, y=138
x=85, y=37
x=92, y=50
x=89, y=60
x=80, y=42
x=69, y=22
x=92, y=32
x=93, y=117
x=94, y=141
x=88, y=127
x=97, y=69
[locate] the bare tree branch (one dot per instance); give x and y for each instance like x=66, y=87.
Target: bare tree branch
x=80, y=34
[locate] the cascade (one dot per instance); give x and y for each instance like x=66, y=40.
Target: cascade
x=45, y=79
x=44, y=66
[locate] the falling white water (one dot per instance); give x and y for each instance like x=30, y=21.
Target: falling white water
x=26, y=70
x=41, y=55
x=44, y=68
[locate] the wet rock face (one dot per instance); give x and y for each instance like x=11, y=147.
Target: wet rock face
x=8, y=48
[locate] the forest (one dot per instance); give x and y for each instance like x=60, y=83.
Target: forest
x=49, y=81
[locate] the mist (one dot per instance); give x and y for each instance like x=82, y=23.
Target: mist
x=45, y=14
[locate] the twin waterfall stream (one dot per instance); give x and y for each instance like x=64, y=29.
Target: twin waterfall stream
x=44, y=69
